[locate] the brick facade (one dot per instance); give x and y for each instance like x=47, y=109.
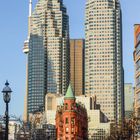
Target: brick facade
x=71, y=120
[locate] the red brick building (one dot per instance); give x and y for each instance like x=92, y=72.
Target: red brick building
x=71, y=119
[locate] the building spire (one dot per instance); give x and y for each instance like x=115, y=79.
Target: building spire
x=30, y=14
x=69, y=93
x=30, y=8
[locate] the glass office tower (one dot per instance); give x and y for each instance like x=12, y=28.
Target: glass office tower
x=36, y=73
x=48, y=57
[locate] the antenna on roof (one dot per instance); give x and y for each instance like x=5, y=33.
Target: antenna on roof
x=30, y=8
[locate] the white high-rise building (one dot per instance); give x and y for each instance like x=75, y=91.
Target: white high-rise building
x=103, y=56
x=48, y=52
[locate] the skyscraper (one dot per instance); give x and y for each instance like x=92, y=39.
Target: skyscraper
x=48, y=57
x=103, y=56
x=77, y=65
x=137, y=68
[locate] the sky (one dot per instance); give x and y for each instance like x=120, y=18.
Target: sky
x=13, y=32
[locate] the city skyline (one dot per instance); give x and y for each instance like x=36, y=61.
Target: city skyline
x=18, y=87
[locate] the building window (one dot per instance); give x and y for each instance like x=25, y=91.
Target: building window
x=66, y=106
x=90, y=103
x=72, y=121
x=72, y=130
x=49, y=101
x=67, y=120
x=138, y=50
x=138, y=37
x=72, y=106
x=67, y=130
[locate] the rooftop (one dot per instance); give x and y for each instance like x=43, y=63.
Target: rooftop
x=69, y=93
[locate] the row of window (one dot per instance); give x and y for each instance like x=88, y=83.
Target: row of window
x=138, y=37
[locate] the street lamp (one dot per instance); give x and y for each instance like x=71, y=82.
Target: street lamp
x=6, y=97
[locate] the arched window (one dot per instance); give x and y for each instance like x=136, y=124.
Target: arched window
x=72, y=106
x=66, y=106
x=67, y=121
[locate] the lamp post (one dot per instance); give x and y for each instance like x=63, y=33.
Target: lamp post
x=6, y=97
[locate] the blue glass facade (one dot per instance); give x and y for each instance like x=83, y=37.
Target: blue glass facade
x=36, y=73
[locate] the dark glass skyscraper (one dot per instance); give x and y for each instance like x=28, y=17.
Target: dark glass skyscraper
x=36, y=73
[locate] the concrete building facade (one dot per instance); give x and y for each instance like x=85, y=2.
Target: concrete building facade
x=77, y=65
x=129, y=100
x=48, y=56
x=104, y=74
x=98, y=124
x=137, y=68
x=71, y=119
